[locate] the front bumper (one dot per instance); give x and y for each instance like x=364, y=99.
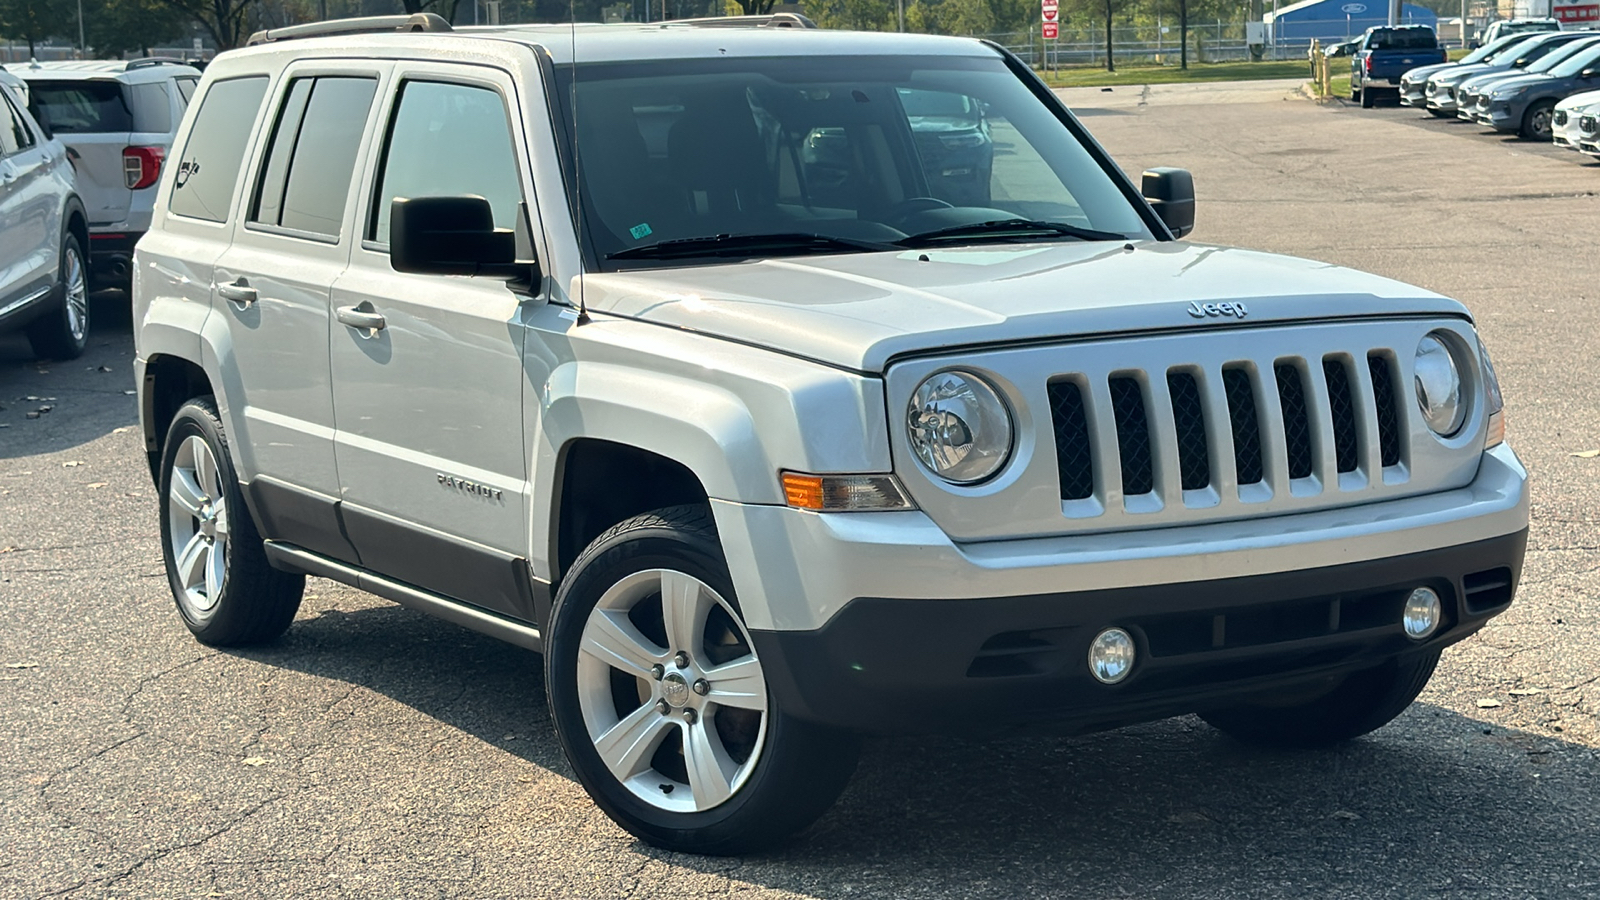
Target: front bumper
x=871, y=620
x=1413, y=95
x=914, y=666
x=1443, y=100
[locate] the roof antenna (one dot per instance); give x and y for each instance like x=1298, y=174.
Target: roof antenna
x=577, y=158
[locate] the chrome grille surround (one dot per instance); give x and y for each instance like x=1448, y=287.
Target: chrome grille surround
x=1030, y=497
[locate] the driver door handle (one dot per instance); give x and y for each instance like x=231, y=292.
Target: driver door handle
x=239, y=292
x=362, y=316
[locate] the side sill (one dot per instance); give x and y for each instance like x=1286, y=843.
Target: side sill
x=294, y=559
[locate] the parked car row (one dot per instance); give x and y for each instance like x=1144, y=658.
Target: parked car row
x=82, y=144
x=1516, y=85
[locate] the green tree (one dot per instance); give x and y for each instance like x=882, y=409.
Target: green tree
x=35, y=20
x=227, y=21
x=117, y=26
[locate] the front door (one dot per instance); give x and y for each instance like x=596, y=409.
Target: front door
x=293, y=239
x=30, y=211
x=427, y=370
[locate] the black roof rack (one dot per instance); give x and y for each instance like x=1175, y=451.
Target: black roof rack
x=148, y=61
x=774, y=20
x=362, y=25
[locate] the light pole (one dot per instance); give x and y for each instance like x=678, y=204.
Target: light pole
x=83, y=46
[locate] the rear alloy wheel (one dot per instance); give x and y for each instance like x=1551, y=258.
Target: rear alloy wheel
x=661, y=703
x=1357, y=704
x=1536, y=121
x=226, y=591
x=63, y=333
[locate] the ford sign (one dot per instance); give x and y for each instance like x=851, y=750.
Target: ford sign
x=1353, y=9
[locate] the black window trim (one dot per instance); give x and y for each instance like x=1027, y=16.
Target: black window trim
x=278, y=95
x=244, y=161
x=405, y=74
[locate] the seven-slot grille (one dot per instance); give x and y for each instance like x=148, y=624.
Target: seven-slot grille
x=1588, y=125
x=1560, y=118
x=1279, y=406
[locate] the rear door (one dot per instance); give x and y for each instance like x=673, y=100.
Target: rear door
x=429, y=405
x=294, y=237
x=92, y=117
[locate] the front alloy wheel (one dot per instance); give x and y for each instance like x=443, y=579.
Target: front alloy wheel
x=661, y=703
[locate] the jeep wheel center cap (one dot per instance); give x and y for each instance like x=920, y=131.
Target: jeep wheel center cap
x=675, y=691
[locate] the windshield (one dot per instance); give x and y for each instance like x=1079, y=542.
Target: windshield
x=1515, y=51
x=824, y=154
x=1577, y=63
x=80, y=107
x=1490, y=49
x=1560, y=54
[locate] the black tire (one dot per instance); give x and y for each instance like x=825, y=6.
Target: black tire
x=1366, y=98
x=63, y=332
x=801, y=767
x=1536, y=121
x=255, y=602
x=1362, y=702
x=1355, y=95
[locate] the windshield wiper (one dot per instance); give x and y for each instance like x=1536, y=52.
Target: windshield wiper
x=1009, y=228
x=748, y=245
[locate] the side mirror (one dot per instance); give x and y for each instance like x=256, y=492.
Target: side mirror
x=451, y=236
x=1589, y=73
x=1171, y=193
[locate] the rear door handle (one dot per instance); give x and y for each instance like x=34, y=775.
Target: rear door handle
x=363, y=317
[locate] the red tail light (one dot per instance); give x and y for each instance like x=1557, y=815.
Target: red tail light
x=141, y=166
x=1367, y=65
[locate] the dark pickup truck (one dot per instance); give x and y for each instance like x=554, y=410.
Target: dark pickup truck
x=1385, y=53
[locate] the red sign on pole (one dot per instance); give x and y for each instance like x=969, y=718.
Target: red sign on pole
x=1050, y=13
x=1051, y=31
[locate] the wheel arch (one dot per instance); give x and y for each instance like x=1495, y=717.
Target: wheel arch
x=169, y=382
x=75, y=221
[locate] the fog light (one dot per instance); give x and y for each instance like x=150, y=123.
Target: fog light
x=1422, y=613
x=1111, y=656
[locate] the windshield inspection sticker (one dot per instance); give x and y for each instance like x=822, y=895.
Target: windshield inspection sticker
x=640, y=231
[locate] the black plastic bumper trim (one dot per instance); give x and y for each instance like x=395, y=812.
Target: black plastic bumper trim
x=897, y=666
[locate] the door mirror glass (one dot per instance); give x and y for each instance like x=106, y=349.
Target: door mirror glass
x=1171, y=193
x=451, y=236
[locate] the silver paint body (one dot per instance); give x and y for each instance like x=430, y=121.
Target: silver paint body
x=740, y=371
x=36, y=186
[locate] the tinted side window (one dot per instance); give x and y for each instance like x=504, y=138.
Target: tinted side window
x=151, y=107
x=186, y=90
x=14, y=134
x=448, y=140
x=209, y=166
x=312, y=156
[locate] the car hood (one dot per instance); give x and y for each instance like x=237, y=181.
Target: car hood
x=860, y=310
x=1478, y=82
x=1458, y=74
x=1522, y=81
x=1579, y=101
x=1422, y=73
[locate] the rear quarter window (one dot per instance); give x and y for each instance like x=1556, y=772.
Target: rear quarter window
x=208, y=168
x=80, y=107
x=151, y=107
x=1408, y=39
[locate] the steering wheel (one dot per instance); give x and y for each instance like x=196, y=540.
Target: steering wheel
x=910, y=207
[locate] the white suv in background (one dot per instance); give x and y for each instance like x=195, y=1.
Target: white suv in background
x=43, y=230
x=117, y=120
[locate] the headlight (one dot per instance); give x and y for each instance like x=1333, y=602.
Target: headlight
x=959, y=427
x=1439, y=386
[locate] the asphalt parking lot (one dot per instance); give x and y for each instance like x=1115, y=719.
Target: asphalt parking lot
x=374, y=752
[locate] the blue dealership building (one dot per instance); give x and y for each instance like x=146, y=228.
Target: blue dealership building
x=1337, y=20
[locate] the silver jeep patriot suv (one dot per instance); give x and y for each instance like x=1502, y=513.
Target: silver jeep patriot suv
x=781, y=386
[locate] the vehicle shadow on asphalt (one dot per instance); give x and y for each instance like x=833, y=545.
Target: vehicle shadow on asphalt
x=1434, y=802
x=71, y=402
